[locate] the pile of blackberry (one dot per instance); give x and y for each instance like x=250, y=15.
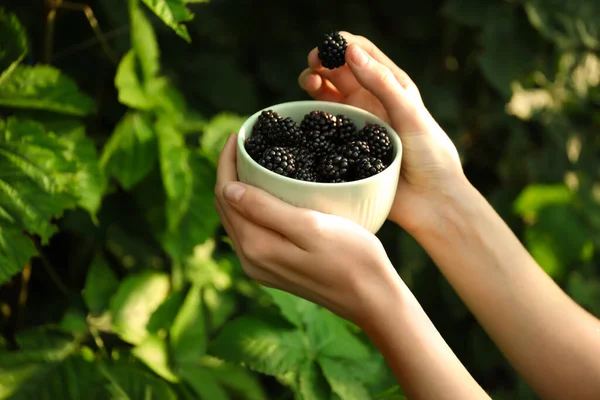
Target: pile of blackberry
x=321, y=148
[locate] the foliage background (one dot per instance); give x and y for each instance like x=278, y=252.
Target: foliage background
x=107, y=165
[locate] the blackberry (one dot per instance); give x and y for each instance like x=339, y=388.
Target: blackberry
x=378, y=140
x=345, y=129
x=266, y=121
x=332, y=50
x=256, y=146
x=279, y=160
x=333, y=168
x=307, y=175
x=368, y=166
x=354, y=151
x=285, y=132
x=320, y=121
x=317, y=143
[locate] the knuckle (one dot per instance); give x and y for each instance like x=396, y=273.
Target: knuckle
x=254, y=249
x=255, y=206
x=315, y=223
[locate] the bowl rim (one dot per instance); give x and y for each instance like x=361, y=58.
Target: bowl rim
x=394, y=138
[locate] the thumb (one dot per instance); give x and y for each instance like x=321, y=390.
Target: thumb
x=406, y=116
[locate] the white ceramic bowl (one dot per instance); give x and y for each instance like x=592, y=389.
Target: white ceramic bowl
x=367, y=202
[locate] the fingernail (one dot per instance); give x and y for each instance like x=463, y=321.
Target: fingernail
x=233, y=192
x=358, y=56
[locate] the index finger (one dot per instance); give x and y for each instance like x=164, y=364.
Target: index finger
x=226, y=166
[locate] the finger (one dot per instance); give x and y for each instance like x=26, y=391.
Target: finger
x=380, y=56
x=383, y=84
x=226, y=165
x=267, y=211
x=318, y=87
x=226, y=223
x=342, y=78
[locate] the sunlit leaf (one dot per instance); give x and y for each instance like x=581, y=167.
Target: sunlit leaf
x=173, y=13
x=535, y=197
x=295, y=309
x=131, y=89
x=138, y=296
x=217, y=130
x=312, y=383
x=43, y=87
x=188, y=334
x=153, y=352
x=144, y=41
x=344, y=384
x=204, y=383
x=129, y=382
x=260, y=346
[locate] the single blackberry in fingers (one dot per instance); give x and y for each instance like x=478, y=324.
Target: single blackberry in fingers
x=378, y=140
x=354, y=151
x=286, y=132
x=368, y=166
x=279, y=160
x=332, y=50
x=256, y=146
x=345, y=129
x=319, y=120
x=333, y=168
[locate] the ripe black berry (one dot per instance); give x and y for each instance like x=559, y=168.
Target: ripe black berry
x=332, y=50
x=256, y=146
x=317, y=142
x=378, y=140
x=332, y=168
x=266, y=121
x=354, y=151
x=368, y=166
x=285, y=132
x=345, y=129
x=320, y=121
x=279, y=160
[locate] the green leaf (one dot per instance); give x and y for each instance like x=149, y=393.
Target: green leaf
x=152, y=351
x=189, y=180
x=329, y=337
x=43, y=87
x=16, y=249
x=538, y=196
x=557, y=239
x=261, y=346
x=312, y=384
x=100, y=284
x=137, y=298
x=203, y=382
x=295, y=309
x=144, y=42
x=235, y=379
x=131, y=152
x=216, y=132
x=173, y=13
x=130, y=382
x=188, y=335
x=13, y=43
x=566, y=23
x=91, y=181
x=344, y=384
x=39, y=180
x=165, y=314
x=131, y=91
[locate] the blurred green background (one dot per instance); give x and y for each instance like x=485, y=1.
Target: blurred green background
x=117, y=280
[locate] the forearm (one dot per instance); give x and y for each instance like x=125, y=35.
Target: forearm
x=550, y=340
x=422, y=362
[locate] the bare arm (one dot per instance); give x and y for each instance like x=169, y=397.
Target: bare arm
x=551, y=341
x=422, y=362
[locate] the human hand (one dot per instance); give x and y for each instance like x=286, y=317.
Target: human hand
x=431, y=168
x=322, y=258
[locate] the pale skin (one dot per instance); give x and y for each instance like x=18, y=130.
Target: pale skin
x=551, y=341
